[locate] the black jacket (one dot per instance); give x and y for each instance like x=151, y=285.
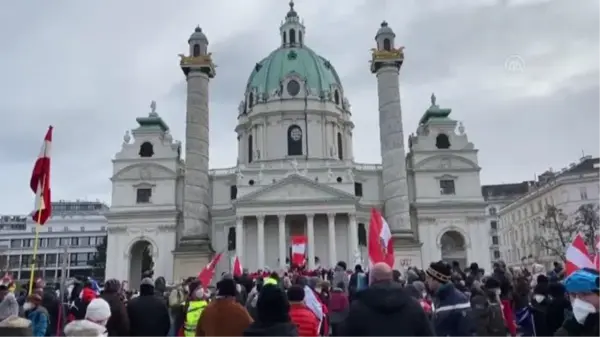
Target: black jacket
x=148, y=314
x=571, y=327
x=385, y=309
x=276, y=329
x=52, y=304
x=118, y=323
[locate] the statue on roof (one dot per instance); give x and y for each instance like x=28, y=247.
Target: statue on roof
x=153, y=107
x=433, y=99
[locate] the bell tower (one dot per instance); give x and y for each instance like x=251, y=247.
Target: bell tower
x=193, y=247
x=385, y=64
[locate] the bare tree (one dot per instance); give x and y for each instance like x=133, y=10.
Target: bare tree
x=557, y=231
x=587, y=219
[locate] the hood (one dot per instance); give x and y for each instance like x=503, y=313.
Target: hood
x=15, y=322
x=384, y=298
x=276, y=329
x=84, y=328
x=146, y=290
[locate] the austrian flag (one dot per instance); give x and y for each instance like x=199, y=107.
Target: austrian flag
x=40, y=182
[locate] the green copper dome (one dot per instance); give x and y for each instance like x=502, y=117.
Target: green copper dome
x=300, y=61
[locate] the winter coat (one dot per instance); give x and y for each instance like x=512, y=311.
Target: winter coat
x=118, y=323
x=85, y=328
x=39, y=320
x=452, y=315
x=571, y=327
x=15, y=326
x=148, y=314
x=338, y=306
x=51, y=303
x=223, y=317
x=275, y=329
x=487, y=316
x=385, y=309
x=557, y=311
x=305, y=320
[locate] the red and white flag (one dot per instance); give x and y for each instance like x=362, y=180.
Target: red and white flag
x=299, y=250
x=40, y=182
x=237, y=267
x=597, y=255
x=380, y=243
x=577, y=256
x=208, y=272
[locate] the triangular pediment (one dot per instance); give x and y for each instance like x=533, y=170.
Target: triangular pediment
x=296, y=188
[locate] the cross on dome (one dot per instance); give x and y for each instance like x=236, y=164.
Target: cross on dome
x=292, y=13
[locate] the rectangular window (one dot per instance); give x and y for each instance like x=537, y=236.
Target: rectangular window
x=53, y=242
x=13, y=261
x=143, y=195
x=51, y=259
x=27, y=243
x=496, y=254
x=100, y=240
x=15, y=243
x=447, y=187
x=64, y=242
x=84, y=242
x=494, y=240
x=494, y=224
x=75, y=241
x=358, y=189
x=583, y=193
x=93, y=241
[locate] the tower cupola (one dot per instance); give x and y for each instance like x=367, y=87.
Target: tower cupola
x=198, y=43
x=385, y=37
x=292, y=29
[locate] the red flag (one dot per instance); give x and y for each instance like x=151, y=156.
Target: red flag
x=299, y=250
x=380, y=243
x=237, y=267
x=40, y=182
x=208, y=272
x=577, y=256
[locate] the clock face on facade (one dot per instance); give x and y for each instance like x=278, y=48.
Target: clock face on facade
x=293, y=88
x=296, y=134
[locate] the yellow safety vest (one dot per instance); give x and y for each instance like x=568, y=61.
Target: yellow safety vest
x=270, y=280
x=194, y=311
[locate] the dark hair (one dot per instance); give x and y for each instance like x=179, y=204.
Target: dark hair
x=295, y=293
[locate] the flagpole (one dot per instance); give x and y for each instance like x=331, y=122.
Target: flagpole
x=36, y=237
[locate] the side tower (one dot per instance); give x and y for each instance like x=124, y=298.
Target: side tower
x=198, y=69
x=385, y=64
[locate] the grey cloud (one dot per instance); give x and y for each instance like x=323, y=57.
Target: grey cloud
x=67, y=65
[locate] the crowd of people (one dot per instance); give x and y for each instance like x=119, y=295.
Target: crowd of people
x=442, y=300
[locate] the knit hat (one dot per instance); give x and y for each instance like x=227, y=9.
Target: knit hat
x=98, y=311
x=272, y=305
x=295, y=293
x=112, y=286
x=9, y=307
x=439, y=271
x=420, y=286
x=226, y=287
x=492, y=283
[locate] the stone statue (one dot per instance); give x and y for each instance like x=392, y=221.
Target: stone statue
x=330, y=176
x=239, y=173
x=126, y=137
x=350, y=174
x=152, y=108
x=461, y=128
x=260, y=174
x=241, y=107
x=294, y=164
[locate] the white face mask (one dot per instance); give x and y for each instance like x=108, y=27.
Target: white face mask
x=318, y=290
x=28, y=306
x=199, y=294
x=539, y=298
x=424, y=294
x=581, y=310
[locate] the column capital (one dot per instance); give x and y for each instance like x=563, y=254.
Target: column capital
x=310, y=216
x=331, y=216
x=239, y=219
x=352, y=215
x=260, y=218
x=281, y=216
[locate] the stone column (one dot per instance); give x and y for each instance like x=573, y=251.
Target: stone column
x=260, y=236
x=239, y=238
x=310, y=233
x=282, y=247
x=331, y=231
x=352, y=235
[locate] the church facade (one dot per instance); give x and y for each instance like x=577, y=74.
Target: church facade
x=295, y=173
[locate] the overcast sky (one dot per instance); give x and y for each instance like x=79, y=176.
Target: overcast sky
x=522, y=75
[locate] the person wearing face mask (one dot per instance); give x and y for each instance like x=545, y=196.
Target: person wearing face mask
x=193, y=308
x=94, y=324
x=37, y=314
x=148, y=314
x=584, y=289
x=539, y=307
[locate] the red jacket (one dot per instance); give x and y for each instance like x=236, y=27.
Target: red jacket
x=509, y=317
x=304, y=319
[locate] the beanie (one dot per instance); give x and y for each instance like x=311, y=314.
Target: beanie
x=98, y=311
x=295, y=293
x=226, y=287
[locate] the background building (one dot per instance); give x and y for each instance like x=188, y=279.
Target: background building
x=497, y=197
x=572, y=187
x=74, y=231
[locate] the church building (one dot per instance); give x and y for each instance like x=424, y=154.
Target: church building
x=295, y=175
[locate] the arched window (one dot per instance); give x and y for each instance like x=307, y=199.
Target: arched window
x=340, y=146
x=300, y=37
x=442, y=141
x=284, y=37
x=336, y=97
x=292, y=36
x=294, y=140
x=387, y=45
x=196, y=50
x=362, y=235
x=250, y=100
x=250, y=150
x=146, y=150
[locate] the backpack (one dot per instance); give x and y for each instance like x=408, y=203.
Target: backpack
x=497, y=325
